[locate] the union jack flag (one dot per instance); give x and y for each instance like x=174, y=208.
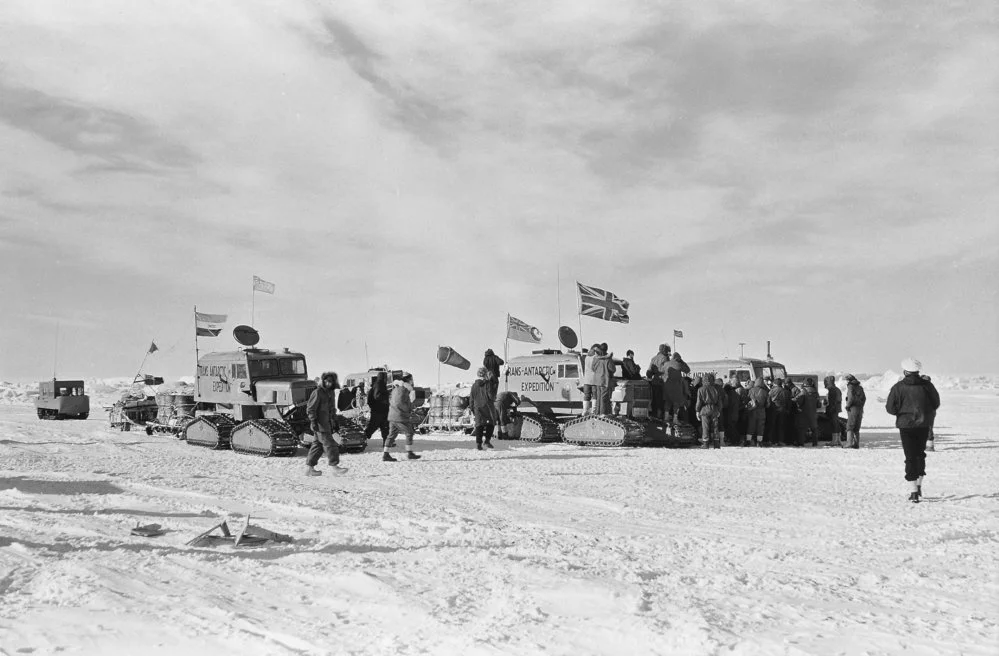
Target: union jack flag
x=601, y=304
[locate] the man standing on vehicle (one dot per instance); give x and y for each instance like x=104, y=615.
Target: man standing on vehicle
x=321, y=410
x=603, y=377
x=400, y=418
x=913, y=400
x=855, y=400
x=675, y=390
x=833, y=408
x=629, y=368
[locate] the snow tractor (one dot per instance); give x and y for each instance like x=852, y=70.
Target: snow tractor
x=549, y=384
x=62, y=399
x=250, y=400
x=137, y=405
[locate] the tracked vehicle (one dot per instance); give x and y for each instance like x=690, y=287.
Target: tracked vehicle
x=251, y=400
x=549, y=384
x=62, y=399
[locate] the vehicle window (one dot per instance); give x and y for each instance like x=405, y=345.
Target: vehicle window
x=779, y=372
x=292, y=366
x=568, y=371
x=765, y=371
x=740, y=375
x=240, y=371
x=263, y=368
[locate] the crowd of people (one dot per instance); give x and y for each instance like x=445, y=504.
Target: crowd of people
x=766, y=412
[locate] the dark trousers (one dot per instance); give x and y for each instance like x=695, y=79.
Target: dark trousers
x=377, y=423
x=324, y=442
x=732, y=434
x=709, y=428
x=483, y=429
x=914, y=446
x=776, y=421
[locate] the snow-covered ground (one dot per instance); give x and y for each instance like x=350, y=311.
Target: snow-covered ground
x=527, y=549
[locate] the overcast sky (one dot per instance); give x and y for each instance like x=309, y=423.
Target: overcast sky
x=820, y=174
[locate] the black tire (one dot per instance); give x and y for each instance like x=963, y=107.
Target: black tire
x=40, y=413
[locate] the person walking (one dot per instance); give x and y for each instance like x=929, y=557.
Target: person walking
x=833, y=408
x=855, y=400
x=791, y=435
x=933, y=416
x=480, y=400
x=808, y=417
x=756, y=412
x=378, y=406
x=602, y=366
x=400, y=418
x=321, y=411
x=913, y=401
x=708, y=408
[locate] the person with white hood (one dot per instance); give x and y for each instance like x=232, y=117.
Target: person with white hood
x=913, y=401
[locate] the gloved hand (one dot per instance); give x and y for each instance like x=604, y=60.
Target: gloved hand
x=336, y=438
x=314, y=427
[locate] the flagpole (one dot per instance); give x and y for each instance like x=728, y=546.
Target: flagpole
x=253, y=305
x=196, y=357
x=506, y=352
x=558, y=293
x=579, y=318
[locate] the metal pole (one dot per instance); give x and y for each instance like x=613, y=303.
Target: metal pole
x=742, y=350
x=253, y=306
x=55, y=355
x=196, y=357
x=558, y=294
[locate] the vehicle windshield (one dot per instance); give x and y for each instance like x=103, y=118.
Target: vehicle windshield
x=779, y=372
x=292, y=366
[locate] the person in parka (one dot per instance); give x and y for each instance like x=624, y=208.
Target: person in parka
x=659, y=362
x=808, y=418
x=602, y=365
x=589, y=403
x=733, y=406
x=480, y=401
x=378, y=405
x=709, y=407
x=756, y=412
x=833, y=408
x=791, y=424
x=777, y=417
x=855, y=401
x=400, y=418
x=321, y=411
x=629, y=368
x=913, y=401
x=675, y=391
x=655, y=379
x=493, y=362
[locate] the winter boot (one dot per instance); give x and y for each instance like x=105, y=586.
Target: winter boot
x=705, y=444
x=489, y=444
x=387, y=457
x=914, y=495
x=478, y=447
x=586, y=407
x=919, y=487
x=837, y=439
x=717, y=442
x=412, y=456
x=929, y=445
x=337, y=469
x=312, y=471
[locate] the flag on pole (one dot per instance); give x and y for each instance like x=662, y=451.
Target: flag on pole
x=520, y=331
x=677, y=333
x=602, y=304
x=209, y=325
x=152, y=348
x=261, y=285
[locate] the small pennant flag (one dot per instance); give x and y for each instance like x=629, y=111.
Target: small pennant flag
x=520, y=331
x=209, y=325
x=153, y=348
x=677, y=333
x=601, y=304
x=261, y=285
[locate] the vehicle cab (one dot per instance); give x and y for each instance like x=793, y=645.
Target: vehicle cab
x=738, y=369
